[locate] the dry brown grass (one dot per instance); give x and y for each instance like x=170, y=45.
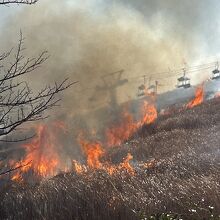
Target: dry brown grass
x=186, y=146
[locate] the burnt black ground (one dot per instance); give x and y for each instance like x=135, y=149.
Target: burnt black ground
x=186, y=176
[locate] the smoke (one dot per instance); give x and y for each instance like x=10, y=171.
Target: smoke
x=91, y=39
x=88, y=40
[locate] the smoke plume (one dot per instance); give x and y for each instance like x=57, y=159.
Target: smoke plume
x=91, y=39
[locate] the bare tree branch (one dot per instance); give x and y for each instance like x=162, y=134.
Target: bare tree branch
x=15, y=168
x=18, y=102
x=27, y=2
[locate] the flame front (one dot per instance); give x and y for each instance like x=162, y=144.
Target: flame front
x=79, y=168
x=126, y=164
x=41, y=157
x=149, y=114
x=119, y=134
x=93, y=151
x=199, y=97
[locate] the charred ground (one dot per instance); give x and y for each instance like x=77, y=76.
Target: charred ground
x=182, y=175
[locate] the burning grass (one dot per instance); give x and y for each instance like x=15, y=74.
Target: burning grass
x=36, y=159
x=172, y=165
x=117, y=135
x=199, y=97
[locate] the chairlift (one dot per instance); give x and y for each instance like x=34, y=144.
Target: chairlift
x=141, y=90
x=216, y=72
x=183, y=81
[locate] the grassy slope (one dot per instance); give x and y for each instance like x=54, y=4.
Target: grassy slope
x=186, y=146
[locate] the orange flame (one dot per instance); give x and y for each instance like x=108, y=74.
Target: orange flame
x=17, y=177
x=93, y=152
x=199, y=97
x=111, y=169
x=78, y=168
x=42, y=153
x=126, y=164
x=150, y=164
x=149, y=114
x=41, y=157
x=119, y=134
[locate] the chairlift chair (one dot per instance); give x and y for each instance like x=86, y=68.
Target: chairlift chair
x=183, y=82
x=215, y=74
x=141, y=90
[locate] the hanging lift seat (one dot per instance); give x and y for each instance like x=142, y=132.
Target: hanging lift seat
x=141, y=90
x=183, y=82
x=215, y=74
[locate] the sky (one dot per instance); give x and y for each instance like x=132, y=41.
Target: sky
x=198, y=17
x=88, y=39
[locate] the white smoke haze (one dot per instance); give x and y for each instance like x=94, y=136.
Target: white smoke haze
x=89, y=39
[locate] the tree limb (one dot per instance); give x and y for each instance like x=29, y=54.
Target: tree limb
x=27, y=2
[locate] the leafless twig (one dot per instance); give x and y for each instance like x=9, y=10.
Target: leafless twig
x=27, y=2
x=18, y=102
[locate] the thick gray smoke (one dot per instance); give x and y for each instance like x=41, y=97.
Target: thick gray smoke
x=89, y=39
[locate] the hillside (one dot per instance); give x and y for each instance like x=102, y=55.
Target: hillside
x=176, y=163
